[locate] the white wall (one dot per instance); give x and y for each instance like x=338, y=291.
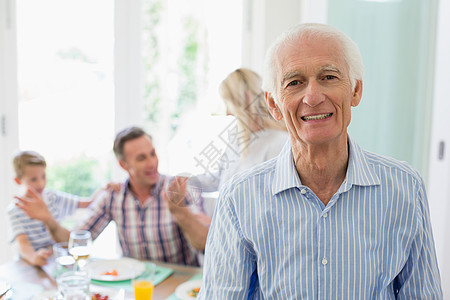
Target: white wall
x=439, y=174
x=265, y=20
x=8, y=125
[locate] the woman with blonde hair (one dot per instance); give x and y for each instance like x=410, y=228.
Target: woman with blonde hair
x=257, y=137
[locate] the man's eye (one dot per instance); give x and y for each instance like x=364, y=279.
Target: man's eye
x=294, y=82
x=329, y=77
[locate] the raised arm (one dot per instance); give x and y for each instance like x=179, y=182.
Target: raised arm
x=110, y=186
x=194, y=226
x=34, y=206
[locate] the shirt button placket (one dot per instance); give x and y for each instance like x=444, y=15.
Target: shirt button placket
x=322, y=255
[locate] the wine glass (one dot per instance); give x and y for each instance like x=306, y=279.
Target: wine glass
x=80, y=243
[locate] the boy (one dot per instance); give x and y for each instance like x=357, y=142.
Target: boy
x=33, y=239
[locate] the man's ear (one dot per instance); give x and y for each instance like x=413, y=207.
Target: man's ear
x=357, y=93
x=17, y=180
x=123, y=165
x=273, y=107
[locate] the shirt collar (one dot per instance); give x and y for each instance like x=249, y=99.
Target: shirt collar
x=156, y=190
x=359, y=171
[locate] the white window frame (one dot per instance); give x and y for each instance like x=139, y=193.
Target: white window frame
x=127, y=63
x=439, y=159
x=9, y=141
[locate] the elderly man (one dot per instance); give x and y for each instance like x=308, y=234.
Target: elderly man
x=325, y=219
x=156, y=217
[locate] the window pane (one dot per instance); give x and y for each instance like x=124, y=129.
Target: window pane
x=188, y=47
x=66, y=96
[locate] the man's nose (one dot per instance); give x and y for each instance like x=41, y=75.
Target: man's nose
x=151, y=161
x=313, y=94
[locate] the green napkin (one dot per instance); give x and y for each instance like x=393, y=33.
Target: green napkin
x=195, y=277
x=161, y=273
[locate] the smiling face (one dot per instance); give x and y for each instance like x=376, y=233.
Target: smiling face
x=314, y=91
x=34, y=176
x=141, y=161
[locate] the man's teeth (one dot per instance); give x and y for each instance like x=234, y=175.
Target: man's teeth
x=316, y=117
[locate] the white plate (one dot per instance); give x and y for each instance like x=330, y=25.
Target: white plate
x=46, y=295
x=113, y=294
x=184, y=289
x=23, y=290
x=4, y=285
x=127, y=268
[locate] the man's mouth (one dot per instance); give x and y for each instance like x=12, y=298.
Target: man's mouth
x=316, y=117
x=152, y=173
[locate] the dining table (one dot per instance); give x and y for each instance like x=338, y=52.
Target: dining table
x=19, y=271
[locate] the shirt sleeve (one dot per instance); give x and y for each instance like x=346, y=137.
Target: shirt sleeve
x=229, y=259
x=65, y=204
x=99, y=214
x=420, y=277
x=16, y=222
x=208, y=182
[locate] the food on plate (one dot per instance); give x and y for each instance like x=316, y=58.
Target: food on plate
x=189, y=289
x=194, y=292
x=98, y=296
x=112, y=273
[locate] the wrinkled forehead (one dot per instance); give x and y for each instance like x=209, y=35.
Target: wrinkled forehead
x=305, y=51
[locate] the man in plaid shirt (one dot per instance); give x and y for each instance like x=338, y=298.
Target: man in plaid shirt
x=157, y=217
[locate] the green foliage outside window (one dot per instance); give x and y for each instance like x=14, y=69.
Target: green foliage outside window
x=81, y=176
x=189, y=72
x=75, y=177
x=150, y=49
x=187, y=65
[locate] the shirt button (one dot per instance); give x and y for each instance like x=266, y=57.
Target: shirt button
x=324, y=261
x=325, y=215
x=303, y=191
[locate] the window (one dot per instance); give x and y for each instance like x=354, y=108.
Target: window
x=66, y=81
x=187, y=48
x=66, y=94
x=76, y=85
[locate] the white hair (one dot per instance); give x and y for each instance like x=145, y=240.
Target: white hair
x=351, y=53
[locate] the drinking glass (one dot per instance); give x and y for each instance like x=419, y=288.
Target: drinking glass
x=143, y=285
x=63, y=261
x=73, y=285
x=80, y=243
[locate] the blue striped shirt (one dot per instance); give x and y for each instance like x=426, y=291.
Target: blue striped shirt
x=272, y=238
x=60, y=205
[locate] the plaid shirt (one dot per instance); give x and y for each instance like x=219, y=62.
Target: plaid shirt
x=148, y=231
